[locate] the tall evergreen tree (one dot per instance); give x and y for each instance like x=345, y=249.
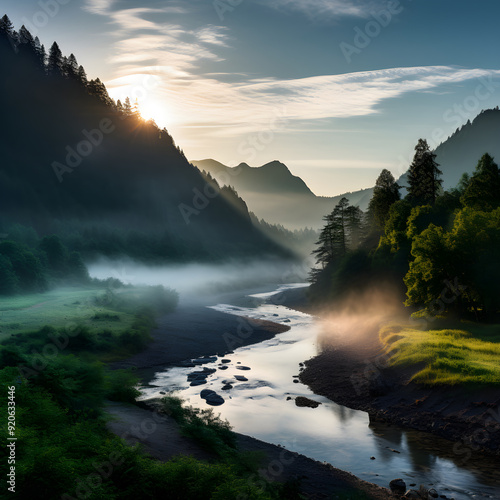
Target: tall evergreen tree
x=482, y=192
x=6, y=26
x=71, y=67
x=385, y=194
x=333, y=239
x=82, y=75
x=354, y=223
x=424, y=176
x=55, y=61
x=127, y=107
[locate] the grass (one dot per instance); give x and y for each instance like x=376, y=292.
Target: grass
x=58, y=308
x=469, y=354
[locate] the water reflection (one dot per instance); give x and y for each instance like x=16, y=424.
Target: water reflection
x=333, y=433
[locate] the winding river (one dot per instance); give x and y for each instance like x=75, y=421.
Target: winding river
x=260, y=407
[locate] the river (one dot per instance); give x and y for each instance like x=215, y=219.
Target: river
x=264, y=407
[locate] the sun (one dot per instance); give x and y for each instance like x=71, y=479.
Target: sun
x=156, y=110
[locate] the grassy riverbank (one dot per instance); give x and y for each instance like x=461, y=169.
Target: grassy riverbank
x=469, y=354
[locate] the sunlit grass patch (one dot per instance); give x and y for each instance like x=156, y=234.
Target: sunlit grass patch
x=449, y=356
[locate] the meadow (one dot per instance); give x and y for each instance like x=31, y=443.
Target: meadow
x=466, y=354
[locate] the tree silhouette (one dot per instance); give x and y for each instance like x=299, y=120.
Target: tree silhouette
x=55, y=61
x=385, y=194
x=423, y=177
x=483, y=188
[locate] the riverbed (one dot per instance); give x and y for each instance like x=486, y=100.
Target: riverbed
x=263, y=406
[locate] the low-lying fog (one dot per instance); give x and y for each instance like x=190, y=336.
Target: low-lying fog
x=201, y=279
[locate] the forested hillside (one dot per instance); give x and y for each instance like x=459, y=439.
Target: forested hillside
x=78, y=164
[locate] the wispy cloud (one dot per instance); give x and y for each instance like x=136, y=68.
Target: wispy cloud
x=326, y=9
x=101, y=7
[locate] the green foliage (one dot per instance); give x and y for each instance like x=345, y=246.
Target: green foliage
x=202, y=425
x=469, y=355
x=385, y=194
x=482, y=191
x=121, y=385
x=423, y=176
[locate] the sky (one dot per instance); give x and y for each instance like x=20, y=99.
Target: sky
x=335, y=89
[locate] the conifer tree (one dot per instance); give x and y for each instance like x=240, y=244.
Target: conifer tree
x=385, y=194
x=424, y=176
x=55, y=61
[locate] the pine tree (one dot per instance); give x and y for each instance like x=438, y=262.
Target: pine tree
x=6, y=27
x=482, y=192
x=70, y=66
x=82, y=75
x=424, y=176
x=354, y=223
x=385, y=193
x=127, y=107
x=55, y=61
x=333, y=239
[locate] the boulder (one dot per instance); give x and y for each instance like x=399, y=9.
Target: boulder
x=214, y=400
x=243, y=367
x=205, y=393
x=227, y=387
x=241, y=378
x=398, y=486
x=303, y=401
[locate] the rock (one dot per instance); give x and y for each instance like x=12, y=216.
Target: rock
x=412, y=494
x=275, y=314
x=223, y=367
x=295, y=381
x=286, y=321
x=163, y=392
x=303, y=401
x=201, y=374
x=214, y=400
x=398, y=486
x=241, y=378
x=205, y=393
x=432, y=493
x=372, y=458
x=227, y=387
x=225, y=361
x=243, y=367
x=288, y=398
x=199, y=381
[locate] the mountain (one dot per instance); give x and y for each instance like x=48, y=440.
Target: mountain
x=75, y=163
x=460, y=153
x=273, y=193
x=279, y=197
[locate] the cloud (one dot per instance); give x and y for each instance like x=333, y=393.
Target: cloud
x=100, y=7
x=326, y=9
x=248, y=106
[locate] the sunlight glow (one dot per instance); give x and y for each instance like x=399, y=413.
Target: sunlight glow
x=156, y=110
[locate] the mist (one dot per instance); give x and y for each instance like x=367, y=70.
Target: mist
x=200, y=279
x=357, y=318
